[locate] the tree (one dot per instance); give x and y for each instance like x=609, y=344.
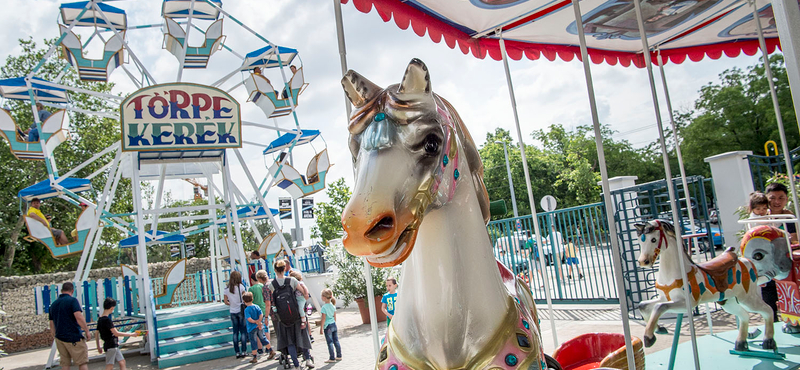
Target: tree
x=329, y=214
x=89, y=135
x=736, y=114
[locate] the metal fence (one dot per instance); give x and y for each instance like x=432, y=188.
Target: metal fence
x=763, y=167
x=651, y=201
x=584, y=233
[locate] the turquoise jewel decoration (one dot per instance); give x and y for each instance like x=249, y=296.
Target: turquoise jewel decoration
x=445, y=160
x=455, y=174
x=380, y=117
x=393, y=367
x=525, y=324
x=511, y=360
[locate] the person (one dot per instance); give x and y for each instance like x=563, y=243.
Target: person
x=252, y=267
x=285, y=93
x=233, y=298
x=537, y=261
x=778, y=196
x=255, y=326
x=290, y=336
x=331, y=333
x=288, y=263
x=66, y=321
x=257, y=70
x=269, y=314
x=558, y=246
x=33, y=132
x=109, y=334
x=572, y=260
x=759, y=204
x=257, y=291
x=74, y=232
x=389, y=300
x=301, y=294
x=35, y=213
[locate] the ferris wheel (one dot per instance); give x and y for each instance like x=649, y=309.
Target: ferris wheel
x=189, y=127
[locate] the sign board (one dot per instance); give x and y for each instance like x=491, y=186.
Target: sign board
x=308, y=208
x=285, y=208
x=180, y=116
x=549, y=203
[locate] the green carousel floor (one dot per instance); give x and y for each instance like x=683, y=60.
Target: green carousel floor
x=713, y=352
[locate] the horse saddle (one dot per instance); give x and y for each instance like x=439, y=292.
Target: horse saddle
x=718, y=268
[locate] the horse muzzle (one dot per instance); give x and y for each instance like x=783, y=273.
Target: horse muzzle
x=384, y=239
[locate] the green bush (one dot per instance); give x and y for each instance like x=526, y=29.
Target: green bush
x=350, y=283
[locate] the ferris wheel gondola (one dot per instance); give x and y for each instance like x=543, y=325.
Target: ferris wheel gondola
x=289, y=178
x=175, y=40
x=54, y=128
x=260, y=89
x=108, y=17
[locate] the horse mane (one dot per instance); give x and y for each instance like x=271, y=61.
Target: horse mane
x=404, y=112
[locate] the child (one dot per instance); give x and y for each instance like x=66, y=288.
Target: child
x=107, y=331
x=389, y=299
x=572, y=260
x=329, y=326
x=759, y=204
x=254, y=317
x=258, y=300
x=301, y=295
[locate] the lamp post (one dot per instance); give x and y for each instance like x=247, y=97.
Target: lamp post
x=510, y=182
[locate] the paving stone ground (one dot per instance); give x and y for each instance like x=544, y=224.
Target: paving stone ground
x=358, y=353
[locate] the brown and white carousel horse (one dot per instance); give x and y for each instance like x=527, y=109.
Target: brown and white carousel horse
x=727, y=279
x=419, y=197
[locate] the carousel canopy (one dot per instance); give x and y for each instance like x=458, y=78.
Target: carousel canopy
x=534, y=28
x=267, y=57
x=133, y=241
x=43, y=190
x=92, y=17
x=15, y=88
x=285, y=141
x=180, y=9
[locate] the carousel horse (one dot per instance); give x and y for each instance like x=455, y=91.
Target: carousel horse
x=727, y=279
x=419, y=186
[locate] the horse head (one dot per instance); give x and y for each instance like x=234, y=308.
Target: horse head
x=767, y=248
x=652, y=238
x=410, y=150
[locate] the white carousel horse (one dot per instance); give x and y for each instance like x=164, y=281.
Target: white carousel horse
x=196, y=56
x=93, y=69
x=726, y=279
x=270, y=101
x=419, y=185
x=54, y=132
x=298, y=186
x=40, y=232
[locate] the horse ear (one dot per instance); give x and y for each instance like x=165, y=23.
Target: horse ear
x=669, y=228
x=359, y=89
x=416, y=80
x=639, y=228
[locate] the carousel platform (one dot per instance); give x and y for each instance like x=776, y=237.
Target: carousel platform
x=713, y=352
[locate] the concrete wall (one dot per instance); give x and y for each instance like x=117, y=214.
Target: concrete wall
x=33, y=331
x=733, y=183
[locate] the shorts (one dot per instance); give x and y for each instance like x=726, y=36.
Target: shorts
x=77, y=352
x=256, y=336
x=572, y=261
x=57, y=233
x=114, y=355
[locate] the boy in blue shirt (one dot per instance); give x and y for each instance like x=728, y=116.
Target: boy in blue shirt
x=389, y=299
x=255, y=329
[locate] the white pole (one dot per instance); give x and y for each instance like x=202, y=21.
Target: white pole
x=141, y=258
x=668, y=171
x=157, y=206
x=337, y=7
x=787, y=156
x=601, y=158
x=216, y=269
x=536, y=229
x=510, y=181
x=226, y=185
x=787, y=17
x=686, y=193
x=186, y=40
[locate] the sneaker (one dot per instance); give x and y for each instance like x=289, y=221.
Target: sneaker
x=254, y=360
x=580, y=276
x=310, y=363
x=239, y=355
x=339, y=358
x=329, y=361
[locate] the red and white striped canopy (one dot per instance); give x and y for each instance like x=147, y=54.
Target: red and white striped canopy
x=676, y=29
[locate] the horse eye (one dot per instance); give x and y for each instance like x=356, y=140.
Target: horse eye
x=758, y=256
x=431, y=144
x=653, y=240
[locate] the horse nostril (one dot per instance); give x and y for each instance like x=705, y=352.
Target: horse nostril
x=646, y=262
x=382, y=229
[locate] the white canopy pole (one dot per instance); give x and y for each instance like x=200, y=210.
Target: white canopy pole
x=787, y=156
x=787, y=17
x=536, y=229
x=601, y=158
x=686, y=193
x=676, y=218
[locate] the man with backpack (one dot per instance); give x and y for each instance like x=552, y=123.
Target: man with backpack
x=291, y=336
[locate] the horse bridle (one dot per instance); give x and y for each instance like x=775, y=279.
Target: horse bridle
x=662, y=238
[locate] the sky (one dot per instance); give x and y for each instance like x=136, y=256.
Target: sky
x=546, y=92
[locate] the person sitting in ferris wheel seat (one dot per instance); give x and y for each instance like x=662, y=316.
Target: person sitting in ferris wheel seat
x=35, y=213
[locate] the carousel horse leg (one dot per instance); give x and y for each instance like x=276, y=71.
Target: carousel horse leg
x=652, y=324
x=742, y=319
x=758, y=305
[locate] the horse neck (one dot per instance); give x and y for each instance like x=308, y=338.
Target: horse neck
x=669, y=269
x=451, y=287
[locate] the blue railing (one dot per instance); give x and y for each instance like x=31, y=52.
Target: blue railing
x=311, y=262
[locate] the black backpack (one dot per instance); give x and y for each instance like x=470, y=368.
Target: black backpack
x=285, y=302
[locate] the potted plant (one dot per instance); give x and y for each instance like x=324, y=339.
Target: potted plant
x=350, y=284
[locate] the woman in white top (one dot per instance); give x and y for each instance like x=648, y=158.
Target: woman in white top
x=233, y=298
